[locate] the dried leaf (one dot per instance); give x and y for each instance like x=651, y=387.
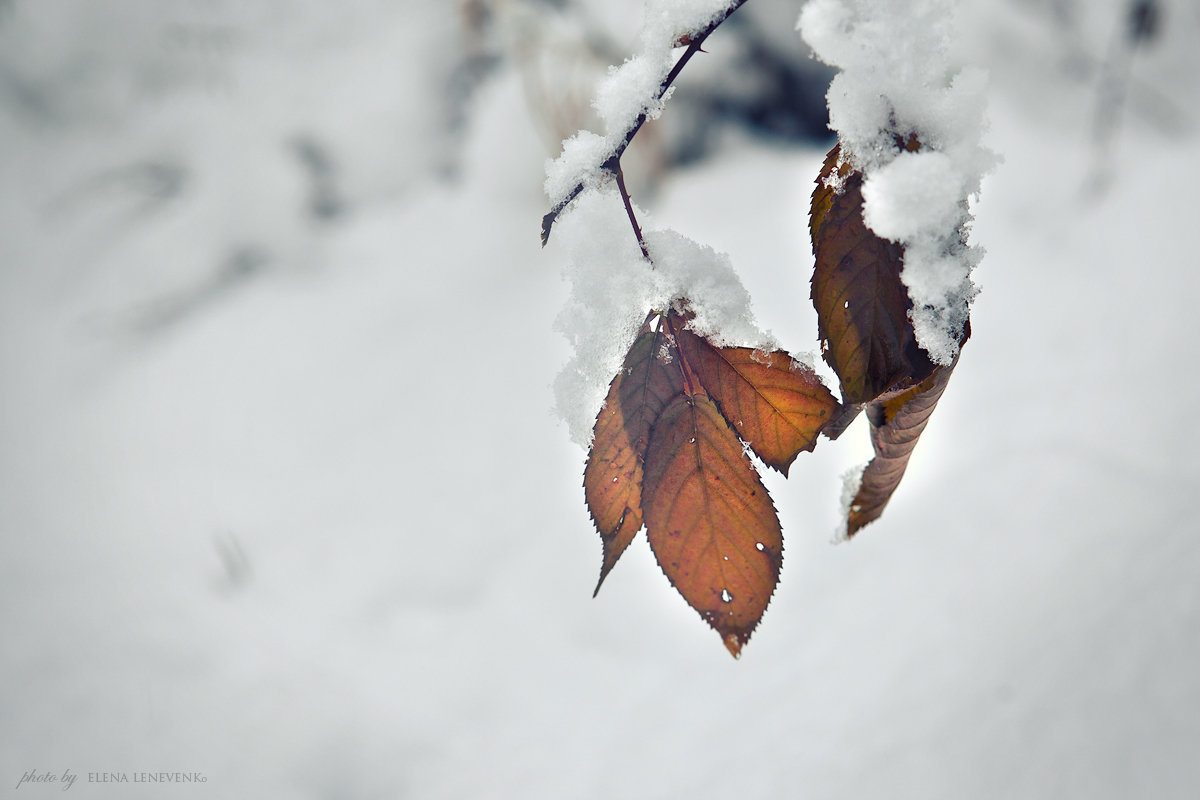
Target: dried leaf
x=710, y=522
x=666, y=452
x=862, y=307
x=897, y=421
x=776, y=405
x=612, y=479
x=867, y=335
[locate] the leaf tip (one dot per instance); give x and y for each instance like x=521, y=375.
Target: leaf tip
x=614, y=546
x=859, y=518
x=782, y=467
x=604, y=570
x=734, y=643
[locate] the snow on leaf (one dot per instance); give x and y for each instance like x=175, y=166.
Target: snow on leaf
x=862, y=306
x=865, y=315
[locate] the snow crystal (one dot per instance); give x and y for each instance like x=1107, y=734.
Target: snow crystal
x=897, y=81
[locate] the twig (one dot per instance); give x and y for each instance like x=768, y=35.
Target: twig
x=637, y=229
x=694, y=44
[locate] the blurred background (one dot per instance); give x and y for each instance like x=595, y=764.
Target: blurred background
x=284, y=500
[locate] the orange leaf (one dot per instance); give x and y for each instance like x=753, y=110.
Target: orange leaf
x=776, y=406
x=862, y=307
x=666, y=451
x=612, y=480
x=897, y=421
x=709, y=519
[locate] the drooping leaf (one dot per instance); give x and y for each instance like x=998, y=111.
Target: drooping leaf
x=897, y=421
x=776, y=405
x=863, y=317
x=612, y=479
x=666, y=452
x=862, y=306
x=709, y=519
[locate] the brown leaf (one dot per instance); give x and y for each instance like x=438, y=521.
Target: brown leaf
x=709, y=519
x=897, y=421
x=862, y=307
x=666, y=452
x=776, y=406
x=612, y=479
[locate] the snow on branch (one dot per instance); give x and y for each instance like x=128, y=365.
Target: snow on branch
x=897, y=84
x=630, y=94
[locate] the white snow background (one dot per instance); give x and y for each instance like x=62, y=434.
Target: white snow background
x=284, y=501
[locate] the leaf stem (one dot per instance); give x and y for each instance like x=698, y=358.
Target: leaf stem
x=637, y=229
x=690, y=381
x=694, y=45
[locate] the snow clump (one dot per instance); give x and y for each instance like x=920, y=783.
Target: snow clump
x=897, y=82
x=613, y=288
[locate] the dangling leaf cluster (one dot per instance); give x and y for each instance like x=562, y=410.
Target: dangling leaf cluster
x=668, y=454
x=670, y=446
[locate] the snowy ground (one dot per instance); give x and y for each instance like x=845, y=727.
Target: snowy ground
x=284, y=500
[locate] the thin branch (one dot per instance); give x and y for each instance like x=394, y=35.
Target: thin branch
x=694, y=45
x=637, y=229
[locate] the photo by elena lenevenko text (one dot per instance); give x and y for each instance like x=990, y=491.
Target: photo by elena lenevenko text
x=67, y=778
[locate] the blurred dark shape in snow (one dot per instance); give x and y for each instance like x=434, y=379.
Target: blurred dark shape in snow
x=1144, y=20
x=236, y=571
x=757, y=76
x=243, y=263
x=1118, y=86
x=767, y=87
x=166, y=152
x=146, y=186
x=325, y=201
